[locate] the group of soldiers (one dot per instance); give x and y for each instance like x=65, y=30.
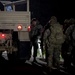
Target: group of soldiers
x=55, y=39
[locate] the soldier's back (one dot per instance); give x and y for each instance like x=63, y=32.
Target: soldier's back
x=56, y=36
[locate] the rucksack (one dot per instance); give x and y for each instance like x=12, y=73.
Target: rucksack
x=56, y=34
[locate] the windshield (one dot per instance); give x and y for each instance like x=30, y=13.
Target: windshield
x=8, y=8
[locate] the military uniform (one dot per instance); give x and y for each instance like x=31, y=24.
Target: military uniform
x=45, y=42
x=53, y=48
x=34, y=34
x=70, y=53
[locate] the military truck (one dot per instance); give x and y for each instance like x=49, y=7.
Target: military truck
x=14, y=29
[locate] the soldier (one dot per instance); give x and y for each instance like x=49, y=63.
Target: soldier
x=35, y=33
x=70, y=39
x=66, y=25
x=45, y=34
x=65, y=45
x=53, y=42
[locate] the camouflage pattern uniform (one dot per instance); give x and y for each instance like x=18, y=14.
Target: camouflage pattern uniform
x=66, y=25
x=65, y=45
x=53, y=50
x=70, y=53
x=45, y=33
x=34, y=34
x=45, y=42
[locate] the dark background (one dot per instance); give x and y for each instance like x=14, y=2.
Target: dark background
x=44, y=9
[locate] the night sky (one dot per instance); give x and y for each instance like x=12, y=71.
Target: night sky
x=44, y=9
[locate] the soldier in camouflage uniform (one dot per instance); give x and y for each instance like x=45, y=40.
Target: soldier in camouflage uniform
x=34, y=34
x=70, y=35
x=66, y=24
x=53, y=48
x=65, y=45
x=46, y=32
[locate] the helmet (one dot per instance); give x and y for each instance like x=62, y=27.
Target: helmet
x=72, y=21
x=34, y=19
x=66, y=21
x=53, y=19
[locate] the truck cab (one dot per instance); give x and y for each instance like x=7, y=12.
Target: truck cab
x=14, y=29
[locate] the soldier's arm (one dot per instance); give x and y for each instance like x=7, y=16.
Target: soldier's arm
x=68, y=30
x=46, y=33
